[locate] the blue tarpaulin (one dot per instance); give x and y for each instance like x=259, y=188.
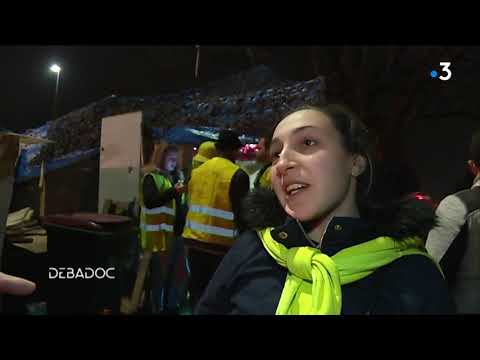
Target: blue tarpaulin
x=176, y=135
x=26, y=172
x=197, y=135
x=183, y=114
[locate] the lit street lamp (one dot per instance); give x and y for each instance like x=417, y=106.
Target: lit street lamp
x=56, y=69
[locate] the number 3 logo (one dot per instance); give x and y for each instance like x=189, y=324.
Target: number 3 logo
x=446, y=70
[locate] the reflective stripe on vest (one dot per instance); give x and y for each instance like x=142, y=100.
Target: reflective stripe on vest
x=159, y=210
x=209, y=229
x=154, y=228
x=228, y=215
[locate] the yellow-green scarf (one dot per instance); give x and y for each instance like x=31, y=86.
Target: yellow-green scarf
x=313, y=284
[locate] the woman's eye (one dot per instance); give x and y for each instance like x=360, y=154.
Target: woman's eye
x=275, y=154
x=309, y=142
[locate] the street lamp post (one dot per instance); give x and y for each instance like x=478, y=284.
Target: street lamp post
x=56, y=69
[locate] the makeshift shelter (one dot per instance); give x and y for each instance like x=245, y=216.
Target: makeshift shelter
x=186, y=119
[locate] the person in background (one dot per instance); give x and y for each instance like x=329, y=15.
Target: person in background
x=455, y=241
x=206, y=151
x=160, y=219
x=262, y=178
x=316, y=243
x=215, y=192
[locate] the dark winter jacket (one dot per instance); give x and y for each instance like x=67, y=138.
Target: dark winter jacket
x=249, y=281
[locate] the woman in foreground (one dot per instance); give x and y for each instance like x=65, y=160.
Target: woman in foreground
x=316, y=244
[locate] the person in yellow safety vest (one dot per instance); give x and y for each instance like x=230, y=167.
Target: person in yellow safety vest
x=161, y=220
x=162, y=192
x=206, y=151
x=215, y=192
x=263, y=176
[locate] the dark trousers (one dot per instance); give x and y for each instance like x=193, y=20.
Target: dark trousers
x=167, y=279
x=156, y=282
x=176, y=277
x=202, y=268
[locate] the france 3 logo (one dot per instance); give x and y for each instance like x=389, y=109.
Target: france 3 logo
x=446, y=72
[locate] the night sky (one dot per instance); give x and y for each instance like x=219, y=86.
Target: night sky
x=90, y=73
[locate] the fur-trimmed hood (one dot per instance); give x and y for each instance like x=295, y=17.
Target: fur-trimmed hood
x=405, y=217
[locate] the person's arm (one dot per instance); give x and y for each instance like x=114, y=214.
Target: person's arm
x=152, y=197
x=451, y=216
x=14, y=285
x=238, y=190
x=215, y=299
x=217, y=296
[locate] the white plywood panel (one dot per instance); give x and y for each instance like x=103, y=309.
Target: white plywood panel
x=120, y=150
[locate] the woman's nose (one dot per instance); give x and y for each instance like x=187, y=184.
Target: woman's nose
x=284, y=163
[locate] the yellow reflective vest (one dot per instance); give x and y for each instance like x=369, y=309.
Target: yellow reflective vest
x=156, y=225
x=210, y=217
x=264, y=177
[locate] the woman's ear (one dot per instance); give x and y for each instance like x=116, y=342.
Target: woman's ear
x=474, y=169
x=359, y=165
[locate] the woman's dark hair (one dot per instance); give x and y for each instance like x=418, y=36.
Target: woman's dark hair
x=147, y=143
x=474, y=153
x=266, y=134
